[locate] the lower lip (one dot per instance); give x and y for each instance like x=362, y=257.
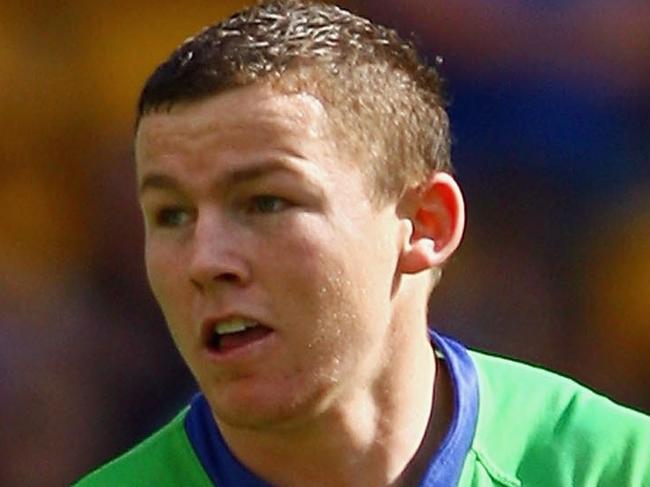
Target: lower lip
x=240, y=347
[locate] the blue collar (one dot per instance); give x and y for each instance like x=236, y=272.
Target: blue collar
x=444, y=469
x=447, y=464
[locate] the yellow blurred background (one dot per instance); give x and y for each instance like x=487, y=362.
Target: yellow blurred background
x=551, y=116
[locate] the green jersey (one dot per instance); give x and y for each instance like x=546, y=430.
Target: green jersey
x=538, y=429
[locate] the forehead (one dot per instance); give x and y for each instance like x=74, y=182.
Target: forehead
x=257, y=112
x=202, y=144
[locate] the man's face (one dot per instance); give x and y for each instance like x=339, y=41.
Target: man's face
x=274, y=270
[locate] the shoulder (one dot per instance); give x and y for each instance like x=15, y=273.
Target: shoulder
x=163, y=459
x=545, y=429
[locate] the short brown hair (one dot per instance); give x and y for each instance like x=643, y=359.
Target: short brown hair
x=381, y=98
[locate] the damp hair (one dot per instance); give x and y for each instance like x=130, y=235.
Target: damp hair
x=383, y=102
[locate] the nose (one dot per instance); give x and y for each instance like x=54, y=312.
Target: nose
x=217, y=254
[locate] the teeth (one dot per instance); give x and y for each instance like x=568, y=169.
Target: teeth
x=233, y=326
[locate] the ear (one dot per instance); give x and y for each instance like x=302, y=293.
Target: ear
x=435, y=221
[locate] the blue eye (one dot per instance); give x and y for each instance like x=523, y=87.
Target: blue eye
x=172, y=217
x=268, y=204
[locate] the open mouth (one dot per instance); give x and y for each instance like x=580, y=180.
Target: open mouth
x=236, y=333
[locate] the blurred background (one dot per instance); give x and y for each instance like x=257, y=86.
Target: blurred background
x=550, y=108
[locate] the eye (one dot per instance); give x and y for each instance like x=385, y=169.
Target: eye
x=173, y=216
x=268, y=204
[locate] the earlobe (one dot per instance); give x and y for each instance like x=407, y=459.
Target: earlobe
x=435, y=223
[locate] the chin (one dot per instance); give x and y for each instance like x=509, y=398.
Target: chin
x=258, y=415
x=255, y=407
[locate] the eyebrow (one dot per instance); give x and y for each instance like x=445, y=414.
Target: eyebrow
x=156, y=180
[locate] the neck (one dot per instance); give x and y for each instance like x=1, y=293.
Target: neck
x=373, y=436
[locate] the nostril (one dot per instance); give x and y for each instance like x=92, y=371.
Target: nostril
x=225, y=277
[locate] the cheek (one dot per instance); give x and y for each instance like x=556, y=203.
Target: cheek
x=164, y=272
x=318, y=290
x=333, y=268
x=155, y=265
x=173, y=294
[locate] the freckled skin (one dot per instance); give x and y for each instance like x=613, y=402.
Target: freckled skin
x=318, y=269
